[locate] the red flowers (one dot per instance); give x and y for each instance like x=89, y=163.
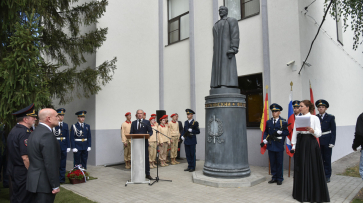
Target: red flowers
x=77, y=174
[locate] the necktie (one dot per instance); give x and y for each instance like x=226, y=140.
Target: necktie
x=274, y=121
x=60, y=126
x=139, y=124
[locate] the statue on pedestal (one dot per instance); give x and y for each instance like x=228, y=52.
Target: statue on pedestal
x=225, y=46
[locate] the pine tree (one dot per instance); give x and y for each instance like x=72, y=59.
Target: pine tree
x=32, y=30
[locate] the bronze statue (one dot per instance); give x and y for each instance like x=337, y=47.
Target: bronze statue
x=225, y=46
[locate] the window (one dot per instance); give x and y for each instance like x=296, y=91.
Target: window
x=339, y=25
x=178, y=20
x=252, y=87
x=242, y=9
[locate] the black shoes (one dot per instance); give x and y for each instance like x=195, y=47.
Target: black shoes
x=279, y=182
x=187, y=169
x=191, y=170
x=327, y=180
x=272, y=181
x=149, y=177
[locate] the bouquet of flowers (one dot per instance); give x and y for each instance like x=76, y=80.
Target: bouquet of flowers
x=78, y=173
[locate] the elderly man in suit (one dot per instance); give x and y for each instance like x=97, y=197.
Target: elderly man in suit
x=44, y=157
x=142, y=126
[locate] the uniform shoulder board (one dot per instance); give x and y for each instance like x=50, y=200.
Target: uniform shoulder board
x=283, y=119
x=330, y=114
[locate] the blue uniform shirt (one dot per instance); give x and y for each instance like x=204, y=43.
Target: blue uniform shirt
x=327, y=124
x=276, y=146
x=63, y=137
x=86, y=134
x=194, y=125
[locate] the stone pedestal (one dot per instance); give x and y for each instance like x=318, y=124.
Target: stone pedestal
x=226, y=153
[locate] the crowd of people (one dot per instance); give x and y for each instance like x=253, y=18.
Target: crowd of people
x=38, y=153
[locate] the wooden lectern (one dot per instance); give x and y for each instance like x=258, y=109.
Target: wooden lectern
x=138, y=158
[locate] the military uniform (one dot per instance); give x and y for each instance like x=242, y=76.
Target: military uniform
x=327, y=139
x=276, y=148
x=175, y=135
x=125, y=130
x=153, y=145
x=80, y=141
x=191, y=127
x=62, y=134
x=17, y=145
x=163, y=150
x=296, y=103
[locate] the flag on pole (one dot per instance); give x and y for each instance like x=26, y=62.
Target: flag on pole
x=312, y=97
x=291, y=119
x=264, y=120
x=312, y=101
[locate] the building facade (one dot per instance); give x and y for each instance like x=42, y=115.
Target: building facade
x=165, y=48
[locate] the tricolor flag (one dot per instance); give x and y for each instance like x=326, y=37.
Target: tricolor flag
x=263, y=122
x=291, y=119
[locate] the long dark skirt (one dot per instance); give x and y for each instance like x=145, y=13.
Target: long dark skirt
x=309, y=177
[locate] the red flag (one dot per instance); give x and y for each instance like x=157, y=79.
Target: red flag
x=312, y=101
x=263, y=122
x=312, y=97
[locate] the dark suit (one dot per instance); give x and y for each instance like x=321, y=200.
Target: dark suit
x=64, y=143
x=327, y=124
x=44, y=158
x=181, y=141
x=145, y=129
x=276, y=148
x=81, y=156
x=190, y=142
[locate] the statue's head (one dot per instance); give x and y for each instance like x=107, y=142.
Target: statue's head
x=223, y=11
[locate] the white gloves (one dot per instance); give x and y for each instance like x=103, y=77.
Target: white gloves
x=88, y=149
x=293, y=147
x=331, y=145
x=68, y=149
x=190, y=130
x=75, y=150
x=182, y=137
x=265, y=141
x=279, y=132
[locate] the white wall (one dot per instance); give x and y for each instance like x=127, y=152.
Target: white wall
x=133, y=39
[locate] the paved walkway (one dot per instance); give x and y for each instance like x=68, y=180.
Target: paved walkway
x=110, y=186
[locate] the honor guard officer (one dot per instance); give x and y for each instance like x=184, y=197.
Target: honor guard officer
x=18, y=162
x=125, y=130
x=296, y=105
x=276, y=126
x=327, y=139
x=191, y=129
x=81, y=140
x=62, y=135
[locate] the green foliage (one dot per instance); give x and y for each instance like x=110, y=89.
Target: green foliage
x=351, y=12
x=43, y=50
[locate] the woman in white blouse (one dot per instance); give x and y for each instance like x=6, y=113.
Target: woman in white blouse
x=309, y=176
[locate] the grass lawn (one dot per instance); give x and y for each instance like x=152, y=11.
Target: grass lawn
x=64, y=196
x=354, y=172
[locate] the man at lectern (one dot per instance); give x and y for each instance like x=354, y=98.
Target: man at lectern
x=142, y=126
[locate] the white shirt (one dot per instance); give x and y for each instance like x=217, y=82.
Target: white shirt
x=81, y=124
x=138, y=123
x=190, y=120
x=60, y=123
x=322, y=116
x=314, y=124
x=276, y=119
x=46, y=126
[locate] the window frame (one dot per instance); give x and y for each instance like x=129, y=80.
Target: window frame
x=242, y=6
x=251, y=92
x=177, y=18
x=337, y=26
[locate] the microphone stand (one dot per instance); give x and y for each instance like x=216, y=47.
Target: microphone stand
x=157, y=179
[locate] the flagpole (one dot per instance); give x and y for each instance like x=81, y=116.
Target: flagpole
x=291, y=84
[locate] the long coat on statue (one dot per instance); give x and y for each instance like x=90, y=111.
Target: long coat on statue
x=225, y=37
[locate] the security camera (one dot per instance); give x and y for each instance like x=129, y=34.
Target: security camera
x=290, y=63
